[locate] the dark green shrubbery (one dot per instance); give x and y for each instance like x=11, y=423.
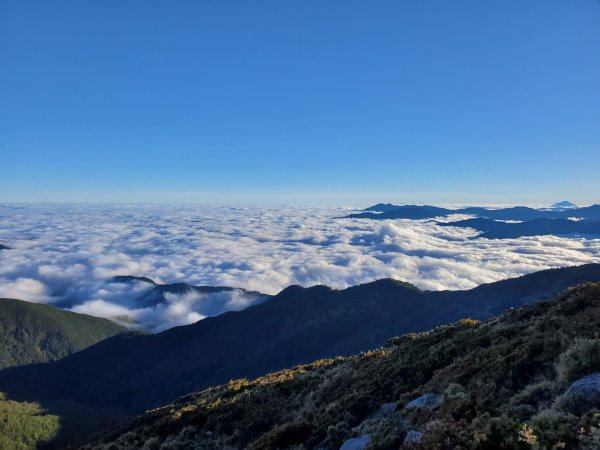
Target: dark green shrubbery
x=582, y=358
x=554, y=428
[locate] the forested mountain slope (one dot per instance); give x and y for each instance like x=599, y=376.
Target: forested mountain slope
x=529, y=379
x=35, y=333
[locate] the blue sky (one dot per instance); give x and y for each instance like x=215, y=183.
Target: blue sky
x=309, y=101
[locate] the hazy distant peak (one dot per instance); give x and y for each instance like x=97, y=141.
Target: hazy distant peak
x=565, y=204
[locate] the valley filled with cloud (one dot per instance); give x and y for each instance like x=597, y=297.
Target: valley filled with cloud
x=68, y=256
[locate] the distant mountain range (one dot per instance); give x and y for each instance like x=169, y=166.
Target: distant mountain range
x=388, y=211
x=156, y=294
x=33, y=333
x=492, y=229
x=142, y=293
x=131, y=372
x=527, y=377
x=560, y=219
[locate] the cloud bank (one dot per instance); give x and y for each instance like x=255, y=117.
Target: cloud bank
x=66, y=255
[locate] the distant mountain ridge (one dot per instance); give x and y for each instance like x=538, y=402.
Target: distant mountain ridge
x=132, y=372
x=384, y=207
x=34, y=333
x=141, y=303
x=522, y=213
x=492, y=229
x=156, y=294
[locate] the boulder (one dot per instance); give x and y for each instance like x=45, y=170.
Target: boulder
x=358, y=443
x=387, y=408
x=427, y=401
x=584, y=394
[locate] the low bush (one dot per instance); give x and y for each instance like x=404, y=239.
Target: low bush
x=581, y=359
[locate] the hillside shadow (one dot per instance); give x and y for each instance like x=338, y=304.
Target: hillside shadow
x=77, y=422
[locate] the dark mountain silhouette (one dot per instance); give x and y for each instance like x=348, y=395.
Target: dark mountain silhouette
x=513, y=213
x=34, y=333
x=406, y=212
x=587, y=212
x=384, y=207
x=212, y=299
x=131, y=372
x=492, y=229
x=131, y=278
x=156, y=294
x=489, y=385
x=4, y=247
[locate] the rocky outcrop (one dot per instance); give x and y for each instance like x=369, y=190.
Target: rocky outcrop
x=584, y=394
x=358, y=443
x=427, y=401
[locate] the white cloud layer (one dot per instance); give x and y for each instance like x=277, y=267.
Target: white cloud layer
x=65, y=255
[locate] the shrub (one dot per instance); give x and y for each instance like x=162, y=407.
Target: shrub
x=589, y=432
x=455, y=392
x=590, y=440
x=554, y=429
x=535, y=393
x=336, y=434
x=283, y=436
x=152, y=444
x=581, y=359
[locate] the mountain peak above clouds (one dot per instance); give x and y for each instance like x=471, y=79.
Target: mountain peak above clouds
x=138, y=302
x=565, y=204
x=131, y=279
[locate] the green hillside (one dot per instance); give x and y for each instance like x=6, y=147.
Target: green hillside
x=25, y=426
x=34, y=333
x=507, y=383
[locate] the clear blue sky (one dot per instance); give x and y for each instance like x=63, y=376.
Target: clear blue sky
x=301, y=100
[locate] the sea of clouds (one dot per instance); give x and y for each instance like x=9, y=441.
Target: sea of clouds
x=67, y=255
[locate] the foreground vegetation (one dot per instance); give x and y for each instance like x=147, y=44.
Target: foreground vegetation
x=500, y=384
x=24, y=426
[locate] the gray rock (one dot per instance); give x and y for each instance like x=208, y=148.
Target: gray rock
x=413, y=437
x=387, y=408
x=584, y=393
x=358, y=443
x=428, y=401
